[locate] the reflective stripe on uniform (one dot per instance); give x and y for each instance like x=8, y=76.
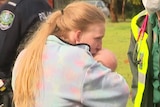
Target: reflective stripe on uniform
x=141, y=77
x=12, y=3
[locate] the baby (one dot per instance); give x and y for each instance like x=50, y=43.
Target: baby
x=107, y=58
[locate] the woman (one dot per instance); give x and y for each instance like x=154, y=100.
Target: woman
x=57, y=69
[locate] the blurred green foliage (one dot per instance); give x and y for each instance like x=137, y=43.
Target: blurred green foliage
x=131, y=8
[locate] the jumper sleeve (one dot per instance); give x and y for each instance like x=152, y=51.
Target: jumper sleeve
x=103, y=88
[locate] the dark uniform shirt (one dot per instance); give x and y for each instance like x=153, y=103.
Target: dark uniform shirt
x=16, y=17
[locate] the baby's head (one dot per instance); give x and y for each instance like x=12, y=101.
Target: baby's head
x=107, y=58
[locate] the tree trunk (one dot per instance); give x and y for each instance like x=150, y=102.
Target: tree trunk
x=51, y=3
x=59, y=4
x=123, y=10
x=113, y=11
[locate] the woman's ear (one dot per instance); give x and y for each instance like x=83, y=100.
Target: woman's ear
x=78, y=36
x=74, y=37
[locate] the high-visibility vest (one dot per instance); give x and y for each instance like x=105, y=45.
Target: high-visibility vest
x=142, y=56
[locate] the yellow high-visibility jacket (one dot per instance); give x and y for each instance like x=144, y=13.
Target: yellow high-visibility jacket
x=139, y=54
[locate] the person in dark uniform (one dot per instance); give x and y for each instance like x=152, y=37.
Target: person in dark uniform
x=16, y=18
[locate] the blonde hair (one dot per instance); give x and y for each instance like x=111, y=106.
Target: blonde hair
x=77, y=15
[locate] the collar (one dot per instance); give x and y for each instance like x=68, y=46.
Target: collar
x=155, y=23
x=153, y=19
x=54, y=39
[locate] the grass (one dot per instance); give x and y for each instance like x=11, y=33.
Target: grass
x=117, y=38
